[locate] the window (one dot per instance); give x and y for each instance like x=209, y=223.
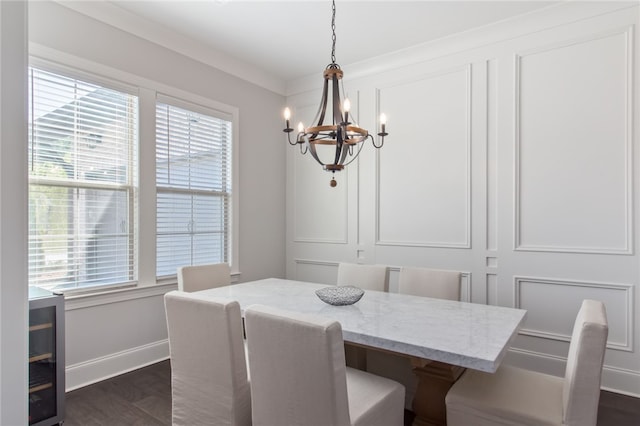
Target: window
x=193, y=184
x=82, y=149
x=125, y=184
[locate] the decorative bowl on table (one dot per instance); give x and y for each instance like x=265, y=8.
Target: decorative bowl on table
x=340, y=295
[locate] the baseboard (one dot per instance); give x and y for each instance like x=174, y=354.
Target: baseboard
x=614, y=379
x=98, y=369
x=618, y=380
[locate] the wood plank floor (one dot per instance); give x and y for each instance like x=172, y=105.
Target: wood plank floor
x=143, y=397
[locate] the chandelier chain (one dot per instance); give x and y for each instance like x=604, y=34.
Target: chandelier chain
x=333, y=29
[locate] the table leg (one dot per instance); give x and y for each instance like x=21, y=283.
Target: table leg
x=435, y=380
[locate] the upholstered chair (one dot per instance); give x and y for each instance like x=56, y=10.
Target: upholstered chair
x=202, y=277
x=434, y=283
x=209, y=382
x=366, y=277
x=514, y=396
x=415, y=281
x=299, y=377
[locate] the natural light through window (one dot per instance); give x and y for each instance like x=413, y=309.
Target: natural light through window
x=193, y=182
x=82, y=142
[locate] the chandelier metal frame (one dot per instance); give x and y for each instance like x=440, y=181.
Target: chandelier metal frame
x=347, y=137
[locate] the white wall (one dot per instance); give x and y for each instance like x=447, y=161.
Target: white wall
x=13, y=205
x=109, y=334
x=512, y=156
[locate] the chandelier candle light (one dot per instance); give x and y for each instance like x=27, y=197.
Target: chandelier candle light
x=346, y=136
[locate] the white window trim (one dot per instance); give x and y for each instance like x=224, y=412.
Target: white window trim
x=148, y=91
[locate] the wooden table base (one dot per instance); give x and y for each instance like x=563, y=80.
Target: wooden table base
x=434, y=381
x=355, y=356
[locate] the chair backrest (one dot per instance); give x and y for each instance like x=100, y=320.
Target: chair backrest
x=367, y=277
x=202, y=277
x=581, y=390
x=434, y=283
x=209, y=382
x=297, y=369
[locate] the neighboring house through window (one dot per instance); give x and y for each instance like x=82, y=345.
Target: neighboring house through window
x=82, y=141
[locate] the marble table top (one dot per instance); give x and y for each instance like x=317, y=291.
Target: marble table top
x=466, y=334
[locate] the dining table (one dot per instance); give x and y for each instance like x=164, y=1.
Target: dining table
x=440, y=337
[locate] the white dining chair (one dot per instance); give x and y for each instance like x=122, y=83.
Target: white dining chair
x=435, y=283
x=202, y=277
x=366, y=277
x=514, y=396
x=209, y=382
x=299, y=376
x=416, y=281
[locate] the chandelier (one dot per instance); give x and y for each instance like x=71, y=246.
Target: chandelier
x=333, y=128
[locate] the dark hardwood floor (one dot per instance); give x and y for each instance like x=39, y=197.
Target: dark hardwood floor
x=143, y=397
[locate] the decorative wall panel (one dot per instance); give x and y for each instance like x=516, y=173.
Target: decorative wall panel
x=552, y=306
x=316, y=271
x=492, y=156
x=573, y=146
x=492, y=289
x=424, y=171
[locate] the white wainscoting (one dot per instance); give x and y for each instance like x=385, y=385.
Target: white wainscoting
x=573, y=145
x=511, y=160
x=432, y=133
x=316, y=271
x=539, y=296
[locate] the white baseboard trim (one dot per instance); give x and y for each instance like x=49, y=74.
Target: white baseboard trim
x=618, y=380
x=98, y=369
x=614, y=379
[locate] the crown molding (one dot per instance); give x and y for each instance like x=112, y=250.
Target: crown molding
x=126, y=21
x=537, y=20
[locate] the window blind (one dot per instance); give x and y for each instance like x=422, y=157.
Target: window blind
x=82, y=141
x=193, y=183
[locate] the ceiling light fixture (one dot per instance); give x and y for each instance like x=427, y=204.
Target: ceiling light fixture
x=345, y=135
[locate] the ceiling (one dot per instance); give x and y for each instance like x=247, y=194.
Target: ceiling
x=292, y=39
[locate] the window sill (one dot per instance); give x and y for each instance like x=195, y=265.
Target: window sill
x=123, y=294
x=105, y=297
